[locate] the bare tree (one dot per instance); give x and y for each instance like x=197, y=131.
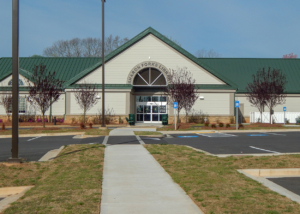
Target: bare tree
x=203, y=53
x=173, y=40
x=182, y=90
x=6, y=102
x=275, y=82
x=291, y=55
x=44, y=89
x=257, y=93
x=86, y=97
x=267, y=89
x=88, y=47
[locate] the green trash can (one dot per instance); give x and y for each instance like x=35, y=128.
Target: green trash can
x=297, y=121
x=132, y=119
x=164, y=119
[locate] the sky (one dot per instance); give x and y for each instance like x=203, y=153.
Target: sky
x=232, y=28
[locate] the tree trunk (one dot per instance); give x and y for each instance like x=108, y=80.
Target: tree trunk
x=261, y=117
x=84, y=117
x=186, y=114
x=43, y=120
x=270, y=116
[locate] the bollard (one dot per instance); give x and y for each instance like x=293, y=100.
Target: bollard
x=55, y=121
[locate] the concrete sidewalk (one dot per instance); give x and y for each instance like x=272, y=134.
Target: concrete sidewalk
x=134, y=182
x=129, y=131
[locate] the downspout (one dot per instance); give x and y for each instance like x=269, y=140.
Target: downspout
x=65, y=105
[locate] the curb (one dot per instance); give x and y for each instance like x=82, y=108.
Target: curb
x=45, y=134
x=152, y=135
x=51, y=154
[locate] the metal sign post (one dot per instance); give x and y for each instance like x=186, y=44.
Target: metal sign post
x=284, y=110
x=237, y=105
x=175, y=107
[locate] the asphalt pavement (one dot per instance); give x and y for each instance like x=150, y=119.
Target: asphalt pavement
x=290, y=183
x=33, y=148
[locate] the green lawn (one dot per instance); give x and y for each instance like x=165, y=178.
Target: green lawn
x=216, y=186
x=71, y=183
x=146, y=133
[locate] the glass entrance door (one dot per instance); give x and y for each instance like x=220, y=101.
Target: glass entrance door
x=150, y=108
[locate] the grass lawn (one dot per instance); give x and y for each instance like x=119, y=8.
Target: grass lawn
x=71, y=183
x=146, y=133
x=87, y=131
x=215, y=185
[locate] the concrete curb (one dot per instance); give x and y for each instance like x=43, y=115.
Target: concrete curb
x=51, y=154
x=44, y=134
x=273, y=186
x=230, y=131
x=13, y=196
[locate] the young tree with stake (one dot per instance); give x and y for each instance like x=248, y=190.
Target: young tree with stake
x=6, y=102
x=44, y=89
x=181, y=89
x=86, y=97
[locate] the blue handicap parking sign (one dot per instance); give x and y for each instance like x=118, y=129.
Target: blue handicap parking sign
x=175, y=105
x=237, y=104
x=284, y=108
x=257, y=135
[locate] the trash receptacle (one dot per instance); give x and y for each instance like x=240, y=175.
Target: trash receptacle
x=132, y=119
x=164, y=119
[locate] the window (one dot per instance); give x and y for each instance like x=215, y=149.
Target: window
x=149, y=77
x=22, y=105
x=20, y=82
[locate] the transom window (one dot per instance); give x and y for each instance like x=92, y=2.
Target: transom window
x=20, y=82
x=149, y=77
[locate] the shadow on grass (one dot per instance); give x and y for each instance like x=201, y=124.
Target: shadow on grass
x=75, y=151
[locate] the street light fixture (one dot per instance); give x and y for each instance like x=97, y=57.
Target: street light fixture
x=103, y=66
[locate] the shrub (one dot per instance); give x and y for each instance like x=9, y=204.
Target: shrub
x=91, y=125
x=198, y=117
x=1, y=121
x=3, y=126
x=82, y=125
x=227, y=125
x=39, y=120
x=241, y=126
x=213, y=126
x=221, y=124
x=62, y=120
x=46, y=120
x=120, y=120
x=30, y=120
x=231, y=120
x=206, y=124
x=21, y=120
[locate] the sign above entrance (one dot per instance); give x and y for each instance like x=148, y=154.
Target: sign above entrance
x=175, y=105
x=148, y=64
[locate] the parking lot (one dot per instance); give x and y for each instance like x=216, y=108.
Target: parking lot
x=33, y=148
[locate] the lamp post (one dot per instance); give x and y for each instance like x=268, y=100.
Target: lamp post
x=15, y=83
x=103, y=67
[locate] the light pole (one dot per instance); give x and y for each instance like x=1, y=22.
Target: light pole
x=15, y=83
x=103, y=69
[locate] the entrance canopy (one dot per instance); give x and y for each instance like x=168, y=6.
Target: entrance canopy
x=149, y=77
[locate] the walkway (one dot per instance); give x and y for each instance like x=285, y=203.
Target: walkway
x=133, y=182
x=129, y=131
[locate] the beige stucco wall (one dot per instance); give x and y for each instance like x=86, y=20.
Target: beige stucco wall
x=115, y=101
x=292, y=103
x=213, y=104
x=118, y=68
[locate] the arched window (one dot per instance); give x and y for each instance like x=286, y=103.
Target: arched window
x=20, y=82
x=149, y=77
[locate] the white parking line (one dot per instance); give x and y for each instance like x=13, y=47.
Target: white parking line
x=217, y=135
x=139, y=139
x=34, y=138
x=273, y=133
x=105, y=140
x=264, y=150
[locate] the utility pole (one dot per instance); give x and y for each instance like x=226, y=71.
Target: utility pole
x=103, y=68
x=15, y=83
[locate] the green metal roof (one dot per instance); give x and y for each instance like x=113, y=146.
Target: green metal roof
x=240, y=70
x=106, y=86
x=65, y=68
